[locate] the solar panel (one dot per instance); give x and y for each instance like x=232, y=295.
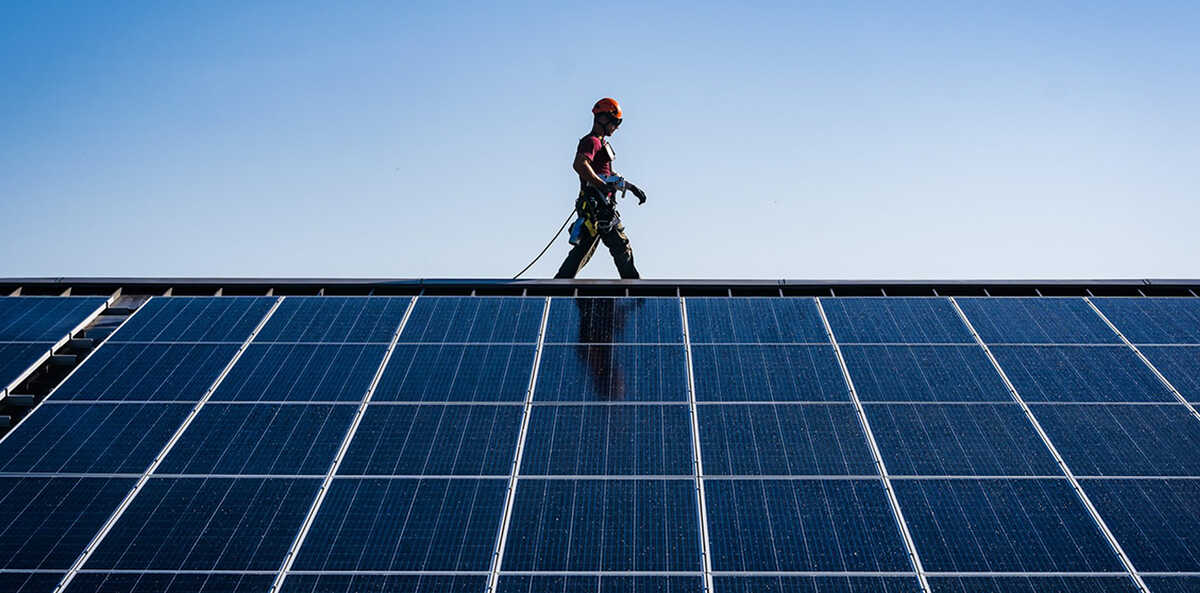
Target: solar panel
x=614, y=445
x=1003, y=525
x=43, y=319
x=32, y=327
x=803, y=525
x=959, y=440
x=896, y=321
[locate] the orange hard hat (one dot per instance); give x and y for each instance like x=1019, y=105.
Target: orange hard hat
x=607, y=105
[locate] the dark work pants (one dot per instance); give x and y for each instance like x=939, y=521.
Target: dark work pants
x=618, y=246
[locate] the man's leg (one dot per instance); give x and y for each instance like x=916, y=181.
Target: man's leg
x=577, y=258
x=622, y=252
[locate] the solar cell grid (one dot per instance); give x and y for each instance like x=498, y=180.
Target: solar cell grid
x=335, y=319
x=826, y=584
x=29, y=582
x=1156, y=521
x=614, y=320
x=1154, y=320
x=1033, y=584
x=362, y=583
x=302, y=372
x=1123, y=440
x=434, y=440
x=924, y=373
x=1180, y=365
x=754, y=320
x=96, y=438
x=48, y=521
x=474, y=319
x=381, y=524
x=1186, y=584
x=143, y=582
x=599, y=584
x=230, y=524
x=1080, y=374
x=783, y=439
x=612, y=373
x=457, y=373
x=803, y=525
x=194, y=319
x=895, y=320
x=767, y=373
x=289, y=439
x=604, y=525
x=1036, y=321
x=959, y=439
x=147, y=372
x=43, y=319
x=1003, y=525
x=608, y=439
x=15, y=359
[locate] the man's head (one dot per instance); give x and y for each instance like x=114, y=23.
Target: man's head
x=606, y=116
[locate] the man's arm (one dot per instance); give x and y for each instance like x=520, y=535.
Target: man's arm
x=586, y=174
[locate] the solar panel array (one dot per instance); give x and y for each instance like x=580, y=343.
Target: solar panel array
x=32, y=327
x=521, y=444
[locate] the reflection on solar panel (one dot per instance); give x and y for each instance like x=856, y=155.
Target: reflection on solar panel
x=610, y=445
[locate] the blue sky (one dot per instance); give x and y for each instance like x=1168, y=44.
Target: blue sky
x=775, y=140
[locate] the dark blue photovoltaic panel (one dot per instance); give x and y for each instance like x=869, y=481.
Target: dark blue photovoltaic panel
x=609, y=439
x=47, y=522
x=1117, y=440
x=405, y=524
x=207, y=524
x=1019, y=525
x=43, y=319
x=802, y=525
x=288, y=439
x=1157, y=522
x=1189, y=584
x=17, y=358
x=599, y=584
x=1180, y=365
x=302, y=372
x=96, y=438
x=783, y=439
x=474, y=319
x=924, y=373
x=1033, y=584
x=1080, y=374
x=29, y=582
x=335, y=319
x=434, y=440
x=754, y=320
x=767, y=373
x=152, y=582
x=895, y=320
x=379, y=583
x=195, y=319
x=1160, y=320
x=604, y=525
x=596, y=372
x=959, y=439
x=132, y=372
x=607, y=320
x=1037, y=320
x=793, y=584
x=464, y=373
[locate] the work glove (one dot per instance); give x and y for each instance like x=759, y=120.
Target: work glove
x=637, y=191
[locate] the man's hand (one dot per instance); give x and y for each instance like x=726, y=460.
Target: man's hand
x=637, y=191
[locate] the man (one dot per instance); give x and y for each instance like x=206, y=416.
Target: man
x=596, y=205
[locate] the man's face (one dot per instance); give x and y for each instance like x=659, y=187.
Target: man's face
x=610, y=123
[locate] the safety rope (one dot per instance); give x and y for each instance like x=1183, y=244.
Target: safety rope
x=547, y=247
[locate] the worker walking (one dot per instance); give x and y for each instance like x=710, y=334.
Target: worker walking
x=596, y=205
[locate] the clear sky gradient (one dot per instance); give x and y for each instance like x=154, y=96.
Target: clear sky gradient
x=775, y=140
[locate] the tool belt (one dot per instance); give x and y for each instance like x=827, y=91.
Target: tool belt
x=598, y=212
